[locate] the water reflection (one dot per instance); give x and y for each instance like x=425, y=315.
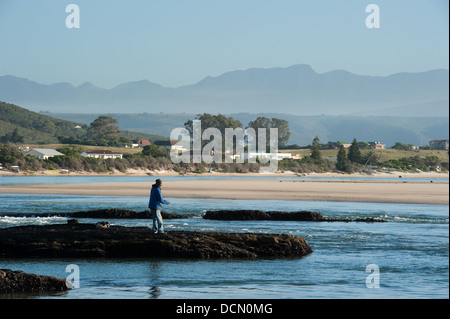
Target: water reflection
x=155, y=275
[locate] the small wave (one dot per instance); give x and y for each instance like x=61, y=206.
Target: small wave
x=10, y=221
x=419, y=220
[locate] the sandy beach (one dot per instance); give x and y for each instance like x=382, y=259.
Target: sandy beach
x=401, y=191
x=161, y=173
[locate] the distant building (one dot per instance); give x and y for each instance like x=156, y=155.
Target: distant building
x=176, y=145
x=377, y=145
x=297, y=157
x=172, y=144
x=23, y=148
x=103, y=154
x=140, y=143
x=439, y=144
x=345, y=144
x=15, y=169
x=43, y=153
x=271, y=156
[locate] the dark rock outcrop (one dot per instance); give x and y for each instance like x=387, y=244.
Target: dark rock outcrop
x=18, y=281
x=115, y=213
x=285, y=216
x=112, y=213
x=262, y=215
x=86, y=240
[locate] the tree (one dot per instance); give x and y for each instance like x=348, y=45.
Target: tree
x=370, y=158
x=282, y=125
x=12, y=137
x=9, y=154
x=402, y=147
x=260, y=122
x=343, y=163
x=221, y=122
x=155, y=151
x=354, y=153
x=71, y=151
x=315, y=149
x=104, y=128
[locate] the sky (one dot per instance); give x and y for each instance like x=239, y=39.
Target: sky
x=179, y=42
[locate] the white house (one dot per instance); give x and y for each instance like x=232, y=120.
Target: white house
x=140, y=143
x=104, y=154
x=43, y=153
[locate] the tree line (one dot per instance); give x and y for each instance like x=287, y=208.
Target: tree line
x=104, y=131
x=221, y=122
x=353, y=160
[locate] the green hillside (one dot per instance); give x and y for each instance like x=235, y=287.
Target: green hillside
x=35, y=128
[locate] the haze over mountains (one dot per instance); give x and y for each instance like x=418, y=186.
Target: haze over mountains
x=297, y=90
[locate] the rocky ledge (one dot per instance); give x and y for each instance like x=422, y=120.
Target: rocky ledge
x=110, y=213
x=115, y=213
x=87, y=240
x=285, y=216
x=18, y=281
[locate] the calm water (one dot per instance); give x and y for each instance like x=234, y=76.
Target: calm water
x=35, y=180
x=411, y=251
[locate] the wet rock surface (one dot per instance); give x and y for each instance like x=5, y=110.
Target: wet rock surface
x=122, y=214
x=18, y=281
x=276, y=215
x=77, y=240
x=111, y=213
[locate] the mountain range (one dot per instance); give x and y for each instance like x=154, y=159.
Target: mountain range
x=297, y=90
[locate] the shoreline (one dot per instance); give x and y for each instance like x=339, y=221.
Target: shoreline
x=150, y=174
x=398, y=191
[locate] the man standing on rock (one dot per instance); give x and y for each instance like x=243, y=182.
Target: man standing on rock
x=155, y=206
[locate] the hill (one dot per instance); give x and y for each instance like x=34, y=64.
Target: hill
x=297, y=90
x=36, y=128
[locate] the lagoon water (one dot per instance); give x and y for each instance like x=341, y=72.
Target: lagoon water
x=35, y=180
x=411, y=251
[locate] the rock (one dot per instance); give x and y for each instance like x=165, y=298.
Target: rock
x=85, y=240
x=102, y=225
x=18, y=281
x=122, y=214
x=285, y=216
x=217, y=215
x=261, y=215
x=112, y=213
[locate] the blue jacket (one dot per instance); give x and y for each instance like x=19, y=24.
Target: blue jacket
x=155, y=198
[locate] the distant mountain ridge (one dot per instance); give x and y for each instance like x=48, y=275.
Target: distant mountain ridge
x=295, y=90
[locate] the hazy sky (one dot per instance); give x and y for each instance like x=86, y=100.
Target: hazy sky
x=179, y=42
